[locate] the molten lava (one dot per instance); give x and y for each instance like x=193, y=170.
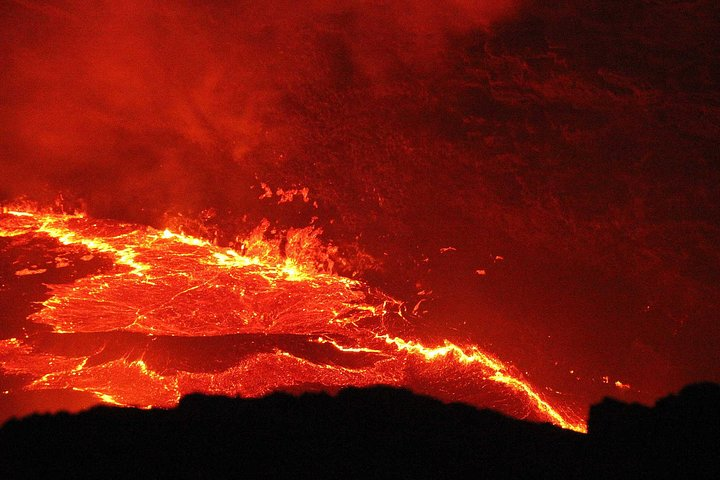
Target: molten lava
x=162, y=314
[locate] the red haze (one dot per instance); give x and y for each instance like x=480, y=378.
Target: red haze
x=577, y=141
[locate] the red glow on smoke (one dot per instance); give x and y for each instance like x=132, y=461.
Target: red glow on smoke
x=538, y=181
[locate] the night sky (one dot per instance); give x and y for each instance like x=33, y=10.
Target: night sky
x=567, y=151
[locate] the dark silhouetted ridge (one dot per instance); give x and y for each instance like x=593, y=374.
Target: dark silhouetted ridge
x=378, y=432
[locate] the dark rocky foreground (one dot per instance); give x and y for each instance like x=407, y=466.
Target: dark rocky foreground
x=370, y=433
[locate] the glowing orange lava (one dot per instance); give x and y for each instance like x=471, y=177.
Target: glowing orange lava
x=172, y=314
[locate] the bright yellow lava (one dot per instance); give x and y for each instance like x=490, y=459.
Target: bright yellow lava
x=178, y=285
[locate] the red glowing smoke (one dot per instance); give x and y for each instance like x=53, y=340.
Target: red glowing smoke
x=567, y=151
x=152, y=101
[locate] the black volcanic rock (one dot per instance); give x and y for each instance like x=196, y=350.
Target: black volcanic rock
x=678, y=438
x=364, y=433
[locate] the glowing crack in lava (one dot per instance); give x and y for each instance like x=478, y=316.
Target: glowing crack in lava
x=164, y=314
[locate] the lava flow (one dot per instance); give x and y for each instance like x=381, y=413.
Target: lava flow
x=140, y=317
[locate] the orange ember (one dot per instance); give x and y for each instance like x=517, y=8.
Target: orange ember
x=167, y=314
